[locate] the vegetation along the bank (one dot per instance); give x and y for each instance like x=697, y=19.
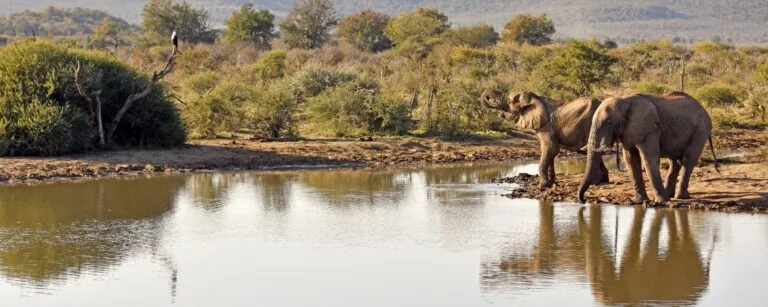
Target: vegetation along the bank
x=318, y=73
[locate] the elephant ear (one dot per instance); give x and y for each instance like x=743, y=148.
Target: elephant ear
x=641, y=118
x=534, y=111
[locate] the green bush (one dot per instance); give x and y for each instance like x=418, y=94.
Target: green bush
x=218, y=111
x=456, y=111
x=270, y=66
x=312, y=81
x=271, y=112
x=717, y=95
x=40, y=71
x=351, y=110
x=650, y=87
x=43, y=128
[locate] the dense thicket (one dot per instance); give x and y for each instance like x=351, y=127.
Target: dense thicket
x=41, y=112
x=427, y=82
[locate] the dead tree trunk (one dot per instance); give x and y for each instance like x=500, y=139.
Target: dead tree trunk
x=156, y=76
x=96, y=114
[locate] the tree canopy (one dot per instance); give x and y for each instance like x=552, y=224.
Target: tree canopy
x=161, y=17
x=476, y=36
x=365, y=30
x=309, y=23
x=418, y=25
x=529, y=29
x=250, y=25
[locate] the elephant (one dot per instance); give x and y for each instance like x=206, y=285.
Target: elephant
x=557, y=125
x=673, y=126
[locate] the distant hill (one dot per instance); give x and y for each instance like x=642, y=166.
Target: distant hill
x=742, y=21
x=55, y=21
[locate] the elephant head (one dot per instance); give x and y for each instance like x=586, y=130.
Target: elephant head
x=627, y=120
x=526, y=109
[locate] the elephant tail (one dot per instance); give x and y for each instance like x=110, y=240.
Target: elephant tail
x=714, y=157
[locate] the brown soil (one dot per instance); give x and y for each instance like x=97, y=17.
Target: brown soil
x=246, y=154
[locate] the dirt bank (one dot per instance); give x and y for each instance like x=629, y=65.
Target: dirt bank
x=246, y=154
x=737, y=188
x=249, y=154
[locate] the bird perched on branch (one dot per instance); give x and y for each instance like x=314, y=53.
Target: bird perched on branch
x=175, y=40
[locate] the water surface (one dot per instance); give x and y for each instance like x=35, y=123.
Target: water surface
x=430, y=237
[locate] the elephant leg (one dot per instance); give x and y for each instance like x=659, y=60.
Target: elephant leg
x=690, y=160
x=650, y=152
x=674, y=171
x=632, y=158
x=603, y=173
x=549, y=149
x=552, y=169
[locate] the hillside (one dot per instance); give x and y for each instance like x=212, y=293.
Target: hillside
x=741, y=21
x=55, y=21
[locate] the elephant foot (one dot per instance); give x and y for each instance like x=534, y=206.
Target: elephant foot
x=546, y=185
x=661, y=199
x=683, y=195
x=639, y=199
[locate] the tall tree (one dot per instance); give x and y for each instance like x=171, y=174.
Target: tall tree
x=109, y=33
x=309, y=23
x=365, y=30
x=529, y=29
x=162, y=17
x=577, y=70
x=250, y=25
x=476, y=36
x=418, y=25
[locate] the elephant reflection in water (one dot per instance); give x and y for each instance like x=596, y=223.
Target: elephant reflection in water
x=643, y=274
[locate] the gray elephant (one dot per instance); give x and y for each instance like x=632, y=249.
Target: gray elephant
x=674, y=126
x=557, y=125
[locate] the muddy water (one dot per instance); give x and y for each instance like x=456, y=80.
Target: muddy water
x=432, y=237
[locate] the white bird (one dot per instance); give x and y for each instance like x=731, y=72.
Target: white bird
x=175, y=39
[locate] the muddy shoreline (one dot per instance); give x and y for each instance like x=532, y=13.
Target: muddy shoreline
x=739, y=187
x=742, y=185
x=244, y=155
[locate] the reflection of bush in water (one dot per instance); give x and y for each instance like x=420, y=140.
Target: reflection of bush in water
x=62, y=203
x=358, y=186
x=55, y=231
x=464, y=175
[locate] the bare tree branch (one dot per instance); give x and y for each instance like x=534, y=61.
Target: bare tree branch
x=156, y=76
x=81, y=91
x=99, y=123
x=89, y=100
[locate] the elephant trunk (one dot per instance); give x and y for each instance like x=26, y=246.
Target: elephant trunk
x=593, y=166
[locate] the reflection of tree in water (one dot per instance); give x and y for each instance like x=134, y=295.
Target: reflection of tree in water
x=355, y=187
x=209, y=191
x=275, y=190
x=644, y=274
x=52, y=232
